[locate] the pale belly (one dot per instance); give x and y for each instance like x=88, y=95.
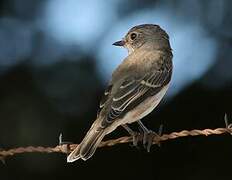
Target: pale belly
x=140, y=111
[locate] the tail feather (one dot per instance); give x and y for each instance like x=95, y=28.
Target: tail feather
x=74, y=155
x=88, y=146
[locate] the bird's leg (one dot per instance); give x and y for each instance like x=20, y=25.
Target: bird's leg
x=134, y=134
x=148, y=136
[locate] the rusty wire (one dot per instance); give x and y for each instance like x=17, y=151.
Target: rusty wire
x=66, y=148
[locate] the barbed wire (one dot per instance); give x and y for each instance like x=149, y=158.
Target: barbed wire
x=67, y=148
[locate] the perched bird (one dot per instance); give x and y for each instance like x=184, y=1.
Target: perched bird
x=137, y=86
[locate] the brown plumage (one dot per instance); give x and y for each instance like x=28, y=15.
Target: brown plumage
x=136, y=88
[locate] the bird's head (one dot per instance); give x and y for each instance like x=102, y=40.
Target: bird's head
x=145, y=34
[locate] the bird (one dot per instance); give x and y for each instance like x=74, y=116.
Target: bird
x=136, y=87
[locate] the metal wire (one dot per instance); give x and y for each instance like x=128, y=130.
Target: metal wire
x=67, y=148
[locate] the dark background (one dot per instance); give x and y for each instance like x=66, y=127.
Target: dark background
x=52, y=75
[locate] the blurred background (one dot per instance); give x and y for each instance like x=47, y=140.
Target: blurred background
x=56, y=58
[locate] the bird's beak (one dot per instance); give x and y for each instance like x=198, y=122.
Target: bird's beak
x=119, y=43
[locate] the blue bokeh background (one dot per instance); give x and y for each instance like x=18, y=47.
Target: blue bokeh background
x=56, y=58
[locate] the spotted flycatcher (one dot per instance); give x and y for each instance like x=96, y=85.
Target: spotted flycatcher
x=136, y=88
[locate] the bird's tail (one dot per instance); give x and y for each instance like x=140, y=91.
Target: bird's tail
x=88, y=145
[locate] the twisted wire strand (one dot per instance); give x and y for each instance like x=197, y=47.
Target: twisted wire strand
x=66, y=148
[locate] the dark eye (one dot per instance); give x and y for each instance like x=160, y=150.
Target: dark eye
x=133, y=36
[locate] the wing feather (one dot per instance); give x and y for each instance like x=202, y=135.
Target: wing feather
x=132, y=92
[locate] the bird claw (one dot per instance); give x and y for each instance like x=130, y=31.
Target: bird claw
x=150, y=136
x=2, y=159
x=148, y=139
x=135, y=139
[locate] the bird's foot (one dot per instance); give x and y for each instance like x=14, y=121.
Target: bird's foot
x=135, y=138
x=149, y=137
x=135, y=135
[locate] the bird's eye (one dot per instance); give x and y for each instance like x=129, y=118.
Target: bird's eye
x=133, y=36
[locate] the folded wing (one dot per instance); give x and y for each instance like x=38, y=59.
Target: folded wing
x=131, y=93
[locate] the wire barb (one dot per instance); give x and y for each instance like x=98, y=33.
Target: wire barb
x=66, y=147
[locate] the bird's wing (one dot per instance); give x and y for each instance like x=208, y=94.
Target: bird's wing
x=131, y=93
x=104, y=98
